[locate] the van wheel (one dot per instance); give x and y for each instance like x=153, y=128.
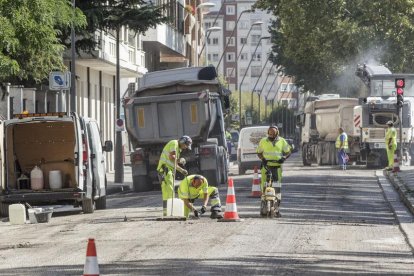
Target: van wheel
x=4, y=209
x=142, y=184
x=88, y=205
x=100, y=203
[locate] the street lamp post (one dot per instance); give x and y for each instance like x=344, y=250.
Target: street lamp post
x=267, y=95
x=264, y=83
x=245, y=73
x=273, y=101
x=202, y=5
x=261, y=72
x=72, y=101
x=231, y=35
x=208, y=31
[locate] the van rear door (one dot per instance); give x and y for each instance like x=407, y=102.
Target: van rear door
x=97, y=157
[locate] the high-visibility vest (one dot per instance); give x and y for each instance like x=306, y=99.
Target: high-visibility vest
x=188, y=191
x=273, y=150
x=338, y=141
x=165, y=155
x=391, y=134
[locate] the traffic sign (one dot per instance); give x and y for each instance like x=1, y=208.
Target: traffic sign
x=59, y=80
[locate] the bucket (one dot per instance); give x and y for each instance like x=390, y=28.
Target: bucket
x=31, y=212
x=17, y=214
x=55, y=180
x=175, y=207
x=40, y=215
x=36, y=178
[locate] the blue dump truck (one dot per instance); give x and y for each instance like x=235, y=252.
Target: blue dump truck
x=171, y=103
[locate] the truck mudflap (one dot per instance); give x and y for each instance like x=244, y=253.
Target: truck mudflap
x=41, y=196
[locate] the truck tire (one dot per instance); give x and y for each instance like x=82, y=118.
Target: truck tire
x=141, y=183
x=212, y=177
x=88, y=206
x=304, y=156
x=4, y=209
x=100, y=203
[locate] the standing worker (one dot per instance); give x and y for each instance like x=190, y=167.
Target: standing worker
x=196, y=186
x=341, y=145
x=391, y=144
x=273, y=150
x=167, y=167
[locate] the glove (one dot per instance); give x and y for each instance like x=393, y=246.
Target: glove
x=281, y=160
x=203, y=209
x=196, y=214
x=184, y=172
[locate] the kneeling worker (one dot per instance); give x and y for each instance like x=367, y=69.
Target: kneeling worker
x=196, y=186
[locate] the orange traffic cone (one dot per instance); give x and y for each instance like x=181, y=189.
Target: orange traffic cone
x=396, y=164
x=91, y=267
x=256, y=191
x=231, y=209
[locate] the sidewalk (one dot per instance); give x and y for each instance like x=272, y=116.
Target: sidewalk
x=404, y=183
x=113, y=188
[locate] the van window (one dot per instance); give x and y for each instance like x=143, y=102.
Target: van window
x=251, y=137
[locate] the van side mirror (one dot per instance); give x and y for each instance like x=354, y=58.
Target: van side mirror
x=108, y=147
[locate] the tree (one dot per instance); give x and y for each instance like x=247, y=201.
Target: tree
x=321, y=42
x=29, y=43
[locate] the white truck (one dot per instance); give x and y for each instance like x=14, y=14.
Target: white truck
x=171, y=103
x=53, y=142
x=380, y=106
x=319, y=130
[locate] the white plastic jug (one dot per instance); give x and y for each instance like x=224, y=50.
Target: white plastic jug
x=17, y=214
x=55, y=180
x=36, y=179
x=175, y=207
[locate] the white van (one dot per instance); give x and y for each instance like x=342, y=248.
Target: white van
x=53, y=142
x=249, y=139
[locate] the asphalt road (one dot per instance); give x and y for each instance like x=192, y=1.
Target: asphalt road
x=334, y=222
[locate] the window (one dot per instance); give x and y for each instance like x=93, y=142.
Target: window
x=257, y=57
x=244, y=25
x=230, y=25
x=230, y=41
x=255, y=39
x=283, y=87
x=244, y=56
x=230, y=72
x=112, y=49
x=208, y=41
x=256, y=71
x=230, y=10
x=215, y=41
x=207, y=25
x=243, y=72
x=243, y=40
x=215, y=57
x=230, y=57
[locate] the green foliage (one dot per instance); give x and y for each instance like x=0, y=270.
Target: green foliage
x=29, y=42
x=138, y=15
x=321, y=42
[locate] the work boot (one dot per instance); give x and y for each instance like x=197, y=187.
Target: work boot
x=216, y=215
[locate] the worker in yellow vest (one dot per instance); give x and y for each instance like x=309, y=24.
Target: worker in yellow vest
x=273, y=150
x=341, y=146
x=168, y=166
x=196, y=186
x=391, y=144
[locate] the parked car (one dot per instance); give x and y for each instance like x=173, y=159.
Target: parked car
x=234, y=142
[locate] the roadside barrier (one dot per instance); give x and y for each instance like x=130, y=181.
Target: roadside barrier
x=91, y=267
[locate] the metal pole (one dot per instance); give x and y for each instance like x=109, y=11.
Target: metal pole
x=261, y=72
x=261, y=90
x=401, y=139
x=245, y=73
x=119, y=164
x=73, y=63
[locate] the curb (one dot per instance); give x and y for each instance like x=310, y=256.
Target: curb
x=402, y=190
x=114, y=189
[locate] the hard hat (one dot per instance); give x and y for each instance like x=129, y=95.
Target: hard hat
x=275, y=128
x=390, y=123
x=186, y=140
